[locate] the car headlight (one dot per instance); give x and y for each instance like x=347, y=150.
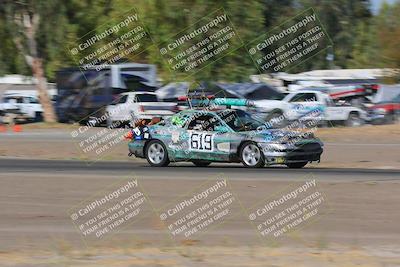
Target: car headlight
x=380, y=111
x=273, y=147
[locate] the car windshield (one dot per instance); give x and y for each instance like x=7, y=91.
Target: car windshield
x=146, y=98
x=122, y=99
x=239, y=120
x=265, y=93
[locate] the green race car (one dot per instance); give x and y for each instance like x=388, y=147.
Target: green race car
x=222, y=135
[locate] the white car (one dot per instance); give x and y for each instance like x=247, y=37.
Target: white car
x=299, y=104
x=137, y=105
x=26, y=107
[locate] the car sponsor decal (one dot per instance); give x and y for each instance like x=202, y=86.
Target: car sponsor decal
x=224, y=147
x=175, y=136
x=201, y=141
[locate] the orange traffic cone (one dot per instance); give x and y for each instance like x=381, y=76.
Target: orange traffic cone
x=17, y=128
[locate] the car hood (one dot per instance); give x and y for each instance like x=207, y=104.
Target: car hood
x=281, y=136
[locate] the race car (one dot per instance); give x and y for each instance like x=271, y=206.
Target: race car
x=203, y=136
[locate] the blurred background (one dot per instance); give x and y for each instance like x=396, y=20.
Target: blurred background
x=38, y=68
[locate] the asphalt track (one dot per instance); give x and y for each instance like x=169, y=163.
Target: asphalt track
x=181, y=170
x=36, y=197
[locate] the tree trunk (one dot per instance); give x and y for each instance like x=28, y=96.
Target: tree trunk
x=28, y=21
x=41, y=86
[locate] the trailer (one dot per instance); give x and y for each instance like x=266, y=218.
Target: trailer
x=84, y=93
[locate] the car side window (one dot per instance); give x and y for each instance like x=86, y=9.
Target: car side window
x=122, y=99
x=205, y=122
x=304, y=97
x=329, y=102
x=33, y=100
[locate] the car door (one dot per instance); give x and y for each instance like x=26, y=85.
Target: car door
x=34, y=106
x=20, y=103
x=333, y=112
x=306, y=106
x=201, y=135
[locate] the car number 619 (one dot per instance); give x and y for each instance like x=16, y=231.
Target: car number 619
x=201, y=141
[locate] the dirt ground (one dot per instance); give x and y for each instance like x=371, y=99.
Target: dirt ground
x=203, y=256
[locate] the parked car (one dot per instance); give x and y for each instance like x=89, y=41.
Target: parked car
x=137, y=106
x=297, y=105
x=25, y=107
x=385, y=111
x=84, y=92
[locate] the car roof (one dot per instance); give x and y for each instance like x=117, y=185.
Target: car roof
x=18, y=95
x=212, y=111
x=310, y=92
x=139, y=93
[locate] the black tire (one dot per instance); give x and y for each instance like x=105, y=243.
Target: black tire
x=38, y=117
x=391, y=118
x=296, y=165
x=255, y=162
x=111, y=124
x=156, y=160
x=354, y=120
x=396, y=117
x=201, y=163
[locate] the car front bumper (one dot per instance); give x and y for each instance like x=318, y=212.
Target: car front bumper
x=307, y=152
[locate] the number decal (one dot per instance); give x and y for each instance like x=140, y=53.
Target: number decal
x=201, y=141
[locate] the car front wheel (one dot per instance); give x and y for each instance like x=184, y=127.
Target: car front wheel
x=252, y=156
x=156, y=154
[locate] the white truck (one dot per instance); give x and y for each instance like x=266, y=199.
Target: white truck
x=24, y=107
x=298, y=105
x=133, y=106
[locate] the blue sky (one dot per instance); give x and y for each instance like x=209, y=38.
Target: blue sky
x=377, y=3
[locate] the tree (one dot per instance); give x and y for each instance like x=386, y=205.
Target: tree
x=26, y=20
x=340, y=19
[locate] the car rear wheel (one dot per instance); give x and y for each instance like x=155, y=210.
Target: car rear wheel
x=296, y=165
x=156, y=154
x=392, y=118
x=354, y=120
x=252, y=156
x=200, y=163
x=109, y=123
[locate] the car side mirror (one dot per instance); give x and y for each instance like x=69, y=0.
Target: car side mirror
x=221, y=129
